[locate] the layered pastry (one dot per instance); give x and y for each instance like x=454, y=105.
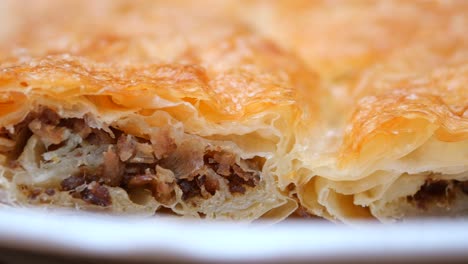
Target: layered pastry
x=394, y=144
x=339, y=109
x=134, y=111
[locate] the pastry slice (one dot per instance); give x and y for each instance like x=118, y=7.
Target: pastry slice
x=148, y=112
x=403, y=154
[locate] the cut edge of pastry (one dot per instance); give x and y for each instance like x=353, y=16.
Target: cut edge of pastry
x=430, y=181
x=57, y=157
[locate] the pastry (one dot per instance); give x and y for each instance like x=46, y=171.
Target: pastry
x=148, y=110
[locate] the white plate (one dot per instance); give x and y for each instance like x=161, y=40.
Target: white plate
x=131, y=239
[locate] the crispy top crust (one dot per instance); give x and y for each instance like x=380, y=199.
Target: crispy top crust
x=137, y=51
x=395, y=69
x=364, y=48
x=436, y=102
x=340, y=38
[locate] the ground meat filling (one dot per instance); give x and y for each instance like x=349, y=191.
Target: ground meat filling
x=438, y=192
x=158, y=165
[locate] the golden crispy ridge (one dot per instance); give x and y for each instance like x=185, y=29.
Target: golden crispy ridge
x=439, y=99
x=168, y=48
x=228, y=74
x=71, y=76
x=357, y=45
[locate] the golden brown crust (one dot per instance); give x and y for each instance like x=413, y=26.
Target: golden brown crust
x=212, y=61
x=439, y=99
x=357, y=46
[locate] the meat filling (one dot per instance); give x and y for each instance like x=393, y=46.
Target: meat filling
x=158, y=165
x=438, y=192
